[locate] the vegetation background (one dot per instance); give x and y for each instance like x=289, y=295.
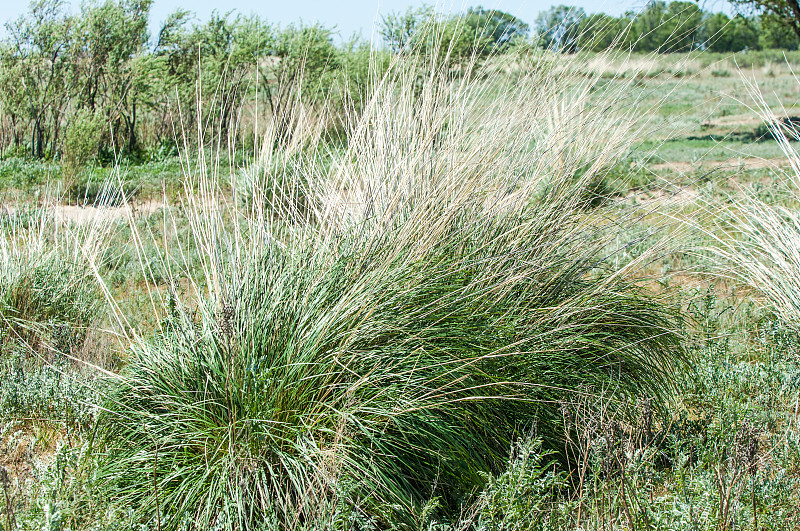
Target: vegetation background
x=488, y=275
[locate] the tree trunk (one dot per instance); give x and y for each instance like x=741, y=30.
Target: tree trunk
x=37, y=138
x=15, y=130
x=131, y=125
x=56, y=131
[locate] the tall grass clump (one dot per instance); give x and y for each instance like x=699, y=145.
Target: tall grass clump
x=50, y=306
x=48, y=295
x=442, y=290
x=759, y=241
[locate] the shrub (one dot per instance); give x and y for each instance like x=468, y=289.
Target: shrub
x=18, y=172
x=778, y=128
x=521, y=496
x=82, y=140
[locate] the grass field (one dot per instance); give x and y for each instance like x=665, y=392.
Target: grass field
x=561, y=295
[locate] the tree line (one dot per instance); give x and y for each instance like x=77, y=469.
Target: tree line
x=664, y=27
x=95, y=84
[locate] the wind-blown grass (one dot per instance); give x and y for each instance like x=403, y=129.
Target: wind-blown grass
x=758, y=242
x=443, y=289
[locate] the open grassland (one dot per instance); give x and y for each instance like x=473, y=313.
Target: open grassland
x=552, y=292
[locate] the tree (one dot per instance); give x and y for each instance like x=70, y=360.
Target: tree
x=208, y=67
x=724, y=34
x=673, y=27
x=304, y=60
x=228, y=51
x=497, y=28
x=454, y=41
x=174, y=63
x=558, y=28
x=35, y=62
x=774, y=33
x=783, y=12
x=599, y=32
x=399, y=30
x=112, y=39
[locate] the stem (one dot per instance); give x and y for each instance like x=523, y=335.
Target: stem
x=625, y=501
x=755, y=514
x=155, y=488
x=12, y=524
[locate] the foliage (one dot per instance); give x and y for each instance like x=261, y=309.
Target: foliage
x=521, y=496
x=207, y=67
x=302, y=75
x=735, y=34
x=498, y=28
x=673, y=27
x=660, y=27
x=82, y=140
x=138, y=97
x=559, y=27
x=35, y=64
x=785, y=12
x=478, y=31
x=776, y=35
x=21, y=172
x=110, y=74
x=58, y=68
x=453, y=41
x=598, y=32
x=399, y=29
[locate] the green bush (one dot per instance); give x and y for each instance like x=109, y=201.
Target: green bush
x=82, y=140
x=17, y=172
x=523, y=496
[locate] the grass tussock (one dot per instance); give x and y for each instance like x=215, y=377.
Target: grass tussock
x=48, y=297
x=758, y=238
x=375, y=331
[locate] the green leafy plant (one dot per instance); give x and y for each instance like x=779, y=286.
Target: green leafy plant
x=81, y=141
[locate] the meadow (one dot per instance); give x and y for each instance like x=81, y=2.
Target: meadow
x=548, y=291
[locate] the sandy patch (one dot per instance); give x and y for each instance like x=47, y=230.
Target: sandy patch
x=739, y=164
x=734, y=120
x=90, y=214
x=674, y=198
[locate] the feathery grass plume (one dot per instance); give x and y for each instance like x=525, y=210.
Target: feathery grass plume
x=758, y=243
x=442, y=289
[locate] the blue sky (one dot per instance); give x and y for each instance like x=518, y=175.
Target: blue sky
x=349, y=16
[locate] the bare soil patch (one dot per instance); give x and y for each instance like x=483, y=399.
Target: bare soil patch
x=741, y=164
x=89, y=214
x=674, y=198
